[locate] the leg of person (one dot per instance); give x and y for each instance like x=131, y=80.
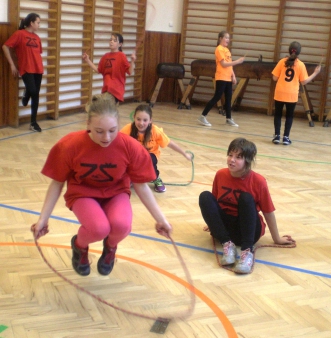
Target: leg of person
x=227, y=104
x=290, y=106
x=278, y=121
x=32, y=83
x=212, y=215
x=94, y=227
x=250, y=231
x=28, y=83
x=158, y=184
x=119, y=213
x=219, y=89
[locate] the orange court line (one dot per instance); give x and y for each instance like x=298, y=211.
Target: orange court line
x=221, y=316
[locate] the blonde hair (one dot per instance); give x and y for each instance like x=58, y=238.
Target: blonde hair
x=101, y=104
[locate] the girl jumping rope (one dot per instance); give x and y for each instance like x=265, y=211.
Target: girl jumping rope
x=152, y=138
x=289, y=73
x=114, y=66
x=224, y=78
x=232, y=210
x=97, y=166
x=27, y=46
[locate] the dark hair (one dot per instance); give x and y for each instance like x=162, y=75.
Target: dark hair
x=221, y=36
x=26, y=22
x=247, y=150
x=294, y=50
x=148, y=132
x=119, y=38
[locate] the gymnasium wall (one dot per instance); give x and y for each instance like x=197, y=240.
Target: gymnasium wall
x=257, y=28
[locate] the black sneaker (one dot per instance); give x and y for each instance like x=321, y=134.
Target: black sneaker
x=79, y=260
x=107, y=259
x=286, y=141
x=35, y=127
x=25, y=100
x=276, y=139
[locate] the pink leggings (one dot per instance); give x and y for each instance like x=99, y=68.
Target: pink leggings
x=101, y=218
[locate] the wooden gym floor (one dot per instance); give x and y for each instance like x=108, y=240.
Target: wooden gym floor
x=287, y=295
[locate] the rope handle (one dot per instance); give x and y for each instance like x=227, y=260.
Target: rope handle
x=182, y=315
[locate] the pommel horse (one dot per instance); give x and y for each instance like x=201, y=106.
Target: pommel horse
x=248, y=70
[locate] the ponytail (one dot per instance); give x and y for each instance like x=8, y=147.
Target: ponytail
x=294, y=50
x=26, y=22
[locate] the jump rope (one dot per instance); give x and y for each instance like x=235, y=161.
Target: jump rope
x=187, y=313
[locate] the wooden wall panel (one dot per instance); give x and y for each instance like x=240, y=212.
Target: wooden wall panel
x=160, y=48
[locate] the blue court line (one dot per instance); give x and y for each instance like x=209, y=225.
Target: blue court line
x=186, y=246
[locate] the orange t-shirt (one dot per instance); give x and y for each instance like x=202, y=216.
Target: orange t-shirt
x=287, y=87
x=28, y=50
x=158, y=139
x=223, y=73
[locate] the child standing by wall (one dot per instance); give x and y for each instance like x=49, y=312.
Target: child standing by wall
x=289, y=73
x=152, y=138
x=27, y=46
x=97, y=166
x=224, y=78
x=232, y=210
x=114, y=66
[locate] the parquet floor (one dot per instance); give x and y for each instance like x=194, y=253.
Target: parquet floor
x=287, y=295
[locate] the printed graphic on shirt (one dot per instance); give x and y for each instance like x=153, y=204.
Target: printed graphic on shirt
x=289, y=74
x=93, y=174
x=32, y=42
x=108, y=63
x=230, y=196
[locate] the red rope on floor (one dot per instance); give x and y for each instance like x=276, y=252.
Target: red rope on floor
x=183, y=315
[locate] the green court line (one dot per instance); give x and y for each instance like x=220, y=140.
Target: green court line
x=3, y=328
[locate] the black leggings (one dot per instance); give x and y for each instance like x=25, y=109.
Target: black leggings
x=244, y=230
x=220, y=88
x=32, y=84
x=290, y=106
x=154, y=161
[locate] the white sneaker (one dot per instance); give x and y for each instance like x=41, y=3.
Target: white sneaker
x=229, y=253
x=245, y=263
x=202, y=119
x=230, y=122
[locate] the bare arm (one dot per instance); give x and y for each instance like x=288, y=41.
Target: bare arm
x=272, y=225
x=312, y=76
x=52, y=195
x=275, y=78
x=147, y=198
x=174, y=146
x=132, y=63
x=6, y=51
x=86, y=58
x=232, y=63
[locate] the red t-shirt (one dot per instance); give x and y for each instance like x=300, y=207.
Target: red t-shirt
x=114, y=67
x=227, y=188
x=28, y=50
x=93, y=171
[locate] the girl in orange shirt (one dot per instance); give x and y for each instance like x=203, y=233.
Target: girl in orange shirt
x=289, y=73
x=224, y=78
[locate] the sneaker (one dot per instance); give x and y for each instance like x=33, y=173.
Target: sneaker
x=107, y=259
x=79, y=260
x=229, y=253
x=35, y=127
x=245, y=262
x=159, y=186
x=202, y=119
x=286, y=141
x=25, y=100
x=230, y=122
x=276, y=139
